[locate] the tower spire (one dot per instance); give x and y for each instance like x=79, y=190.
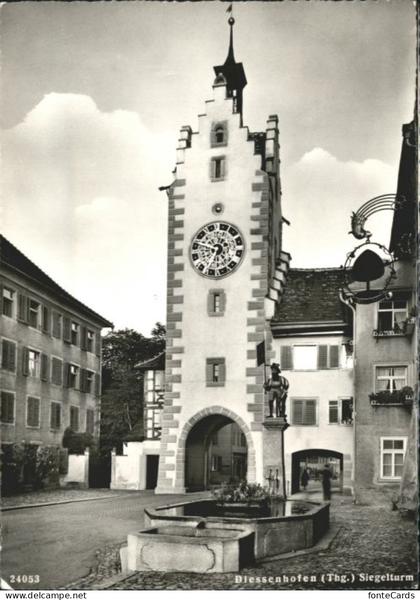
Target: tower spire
x=232, y=71
x=231, y=56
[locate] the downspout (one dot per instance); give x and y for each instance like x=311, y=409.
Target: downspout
x=353, y=309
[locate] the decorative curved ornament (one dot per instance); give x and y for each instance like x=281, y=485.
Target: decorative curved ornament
x=369, y=208
x=367, y=263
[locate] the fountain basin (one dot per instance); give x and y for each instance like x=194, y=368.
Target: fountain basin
x=185, y=548
x=278, y=528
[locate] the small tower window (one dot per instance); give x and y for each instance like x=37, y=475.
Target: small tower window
x=215, y=372
x=216, y=303
x=217, y=168
x=219, y=134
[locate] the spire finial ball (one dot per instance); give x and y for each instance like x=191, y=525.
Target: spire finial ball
x=231, y=21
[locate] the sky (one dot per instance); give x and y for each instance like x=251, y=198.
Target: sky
x=94, y=95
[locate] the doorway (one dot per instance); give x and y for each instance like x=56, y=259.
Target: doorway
x=215, y=454
x=313, y=460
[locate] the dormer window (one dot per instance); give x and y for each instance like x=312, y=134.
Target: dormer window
x=219, y=134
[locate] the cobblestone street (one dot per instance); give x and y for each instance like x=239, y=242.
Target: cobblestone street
x=372, y=541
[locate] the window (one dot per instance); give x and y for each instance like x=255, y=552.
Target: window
x=153, y=424
x=304, y=411
x=217, y=168
x=75, y=333
x=215, y=372
x=7, y=407
x=219, y=134
x=392, y=457
x=216, y=303
x=90, y=420
x=74, y=418
x=56, y=324
x=8, y=302
x=215, y=438
x=34, y=361
x=390, y=378
x=56, y=371
x=304, y=357
x=340, y=411
x=88, y=386
x=391, y=316
x=216, y=463
x=34, y=313
x=55, y=421
x=32, y=412
x=74, y=373
x=8, y=355
x=90, y=340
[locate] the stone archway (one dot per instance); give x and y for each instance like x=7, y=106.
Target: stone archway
x=225, y=416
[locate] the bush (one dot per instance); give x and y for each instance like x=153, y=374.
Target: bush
x=76, y=443
x=47, y=466
x=12, y=468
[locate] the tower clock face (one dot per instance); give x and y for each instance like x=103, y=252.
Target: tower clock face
x=217, y=249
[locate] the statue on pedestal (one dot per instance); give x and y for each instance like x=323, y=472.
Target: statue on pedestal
x=277, y=387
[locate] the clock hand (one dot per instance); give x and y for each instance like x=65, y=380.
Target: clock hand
x=213, y=256
x=205, y=245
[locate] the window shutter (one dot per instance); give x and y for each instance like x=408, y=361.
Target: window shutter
x=97, y=384
x=66, y=374
x=286, y=357
x=334, y=357
x=83, y=338
x=56, y=331
x=98, y=343
x=44, y=367
x=209, y=372
x=322, y=357
x=222, y=168
x=333, y=411
x=82, y=380
x=57, y=371
x=45, y=320
x=298, y=412
x=213, y=136
x=66, y=330
x=310, y=412
x=222, y=371
x=8, y=359
x=25, y=361
x=22, y=308
x=1, y=299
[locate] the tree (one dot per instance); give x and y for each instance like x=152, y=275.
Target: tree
x=122, y=383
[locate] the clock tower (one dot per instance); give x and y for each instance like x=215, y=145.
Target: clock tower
x=226, y=272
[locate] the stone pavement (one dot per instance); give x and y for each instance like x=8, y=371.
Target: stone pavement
x=57, y=496
x=373, y=545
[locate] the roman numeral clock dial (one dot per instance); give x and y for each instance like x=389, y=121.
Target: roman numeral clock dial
x=217, y=249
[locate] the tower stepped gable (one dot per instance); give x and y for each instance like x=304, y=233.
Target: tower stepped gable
x=224, y=248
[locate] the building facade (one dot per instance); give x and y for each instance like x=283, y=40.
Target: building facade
x=385, y=342
x=312, y=343
x=50, y=356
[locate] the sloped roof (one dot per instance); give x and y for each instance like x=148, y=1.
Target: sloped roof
x=11, y=258
x=404, y=224
x=156, y=363
x=312, y=296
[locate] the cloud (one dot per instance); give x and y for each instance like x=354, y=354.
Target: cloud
x=319, y=194
x=81, y=200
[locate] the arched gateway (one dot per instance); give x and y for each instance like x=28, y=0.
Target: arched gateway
x=207, y=436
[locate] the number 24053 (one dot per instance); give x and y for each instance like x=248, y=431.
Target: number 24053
x=24, y=578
